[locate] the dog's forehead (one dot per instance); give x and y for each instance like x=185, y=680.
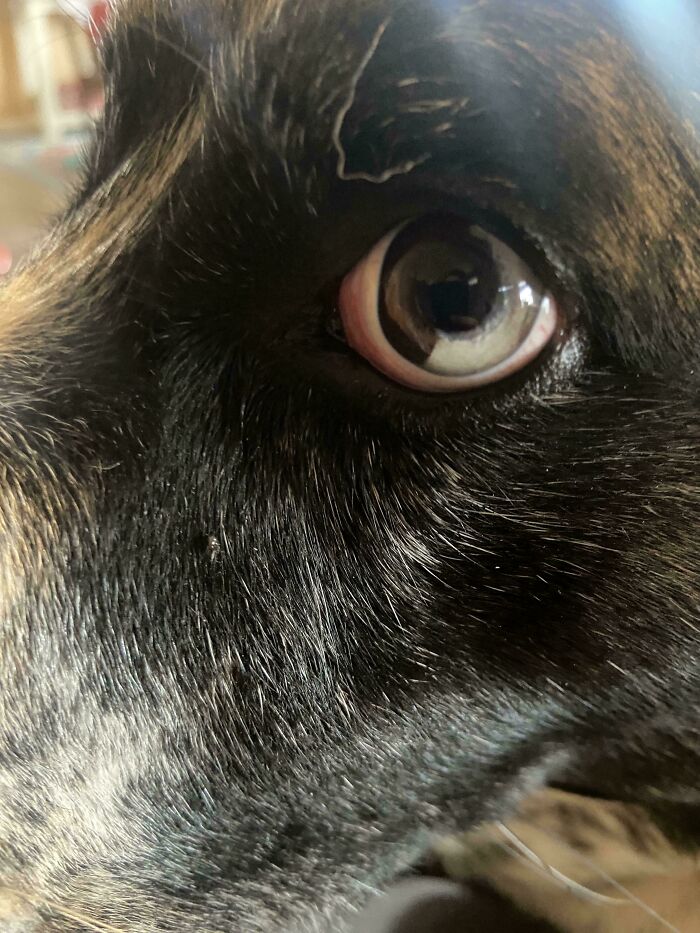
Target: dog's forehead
x=420, y=71
x=661, y=36
x=553, y=100
x=572, y=52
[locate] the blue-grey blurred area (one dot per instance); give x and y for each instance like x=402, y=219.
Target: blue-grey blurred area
x=438, y=905
x=666, y=34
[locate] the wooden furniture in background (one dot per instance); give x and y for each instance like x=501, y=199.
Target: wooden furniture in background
x=16, y=106
x=48, y=69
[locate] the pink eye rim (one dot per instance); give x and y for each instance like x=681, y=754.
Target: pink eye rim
x=360, y=297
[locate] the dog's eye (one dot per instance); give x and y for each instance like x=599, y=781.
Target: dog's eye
x=441, y=305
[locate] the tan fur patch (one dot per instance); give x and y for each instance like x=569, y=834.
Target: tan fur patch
x=74, y=261
x=82, y=248
x=627, y=876
x=619, y=125
x=16, y=914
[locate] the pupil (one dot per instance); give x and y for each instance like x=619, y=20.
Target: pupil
x=439, y=282
x=452, y=304
x=446, y=304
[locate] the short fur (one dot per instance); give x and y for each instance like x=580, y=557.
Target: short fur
x=270, y=621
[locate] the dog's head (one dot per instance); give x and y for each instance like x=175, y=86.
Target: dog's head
x=349, y=454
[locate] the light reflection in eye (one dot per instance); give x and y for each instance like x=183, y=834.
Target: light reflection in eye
x=526, y=295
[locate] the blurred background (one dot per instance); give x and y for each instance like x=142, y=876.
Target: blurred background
x=49, y=94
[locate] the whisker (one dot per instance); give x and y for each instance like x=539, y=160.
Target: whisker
x=518, y=849
x=100, y=926
x=39, y=903
x=90, y=923
x=628, y=897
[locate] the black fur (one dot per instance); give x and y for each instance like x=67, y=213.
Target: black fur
x=270, y=619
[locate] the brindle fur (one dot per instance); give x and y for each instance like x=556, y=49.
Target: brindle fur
x=417, y=610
